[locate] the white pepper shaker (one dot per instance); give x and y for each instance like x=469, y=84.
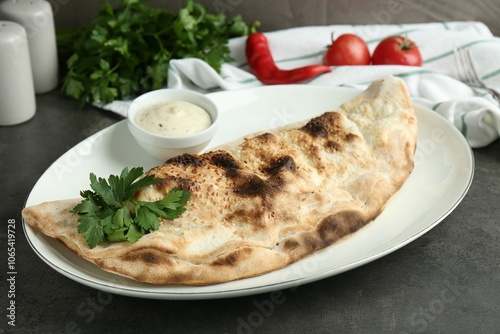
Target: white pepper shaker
x=38, y=21
x=17, y=93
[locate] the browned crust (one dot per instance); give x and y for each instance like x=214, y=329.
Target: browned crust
x=267, y=202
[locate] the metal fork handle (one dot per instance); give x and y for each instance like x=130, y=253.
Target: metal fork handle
x=494, y=93
x=464, y=60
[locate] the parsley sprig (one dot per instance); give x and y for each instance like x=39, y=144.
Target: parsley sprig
x=125, y=51
x=110, y=211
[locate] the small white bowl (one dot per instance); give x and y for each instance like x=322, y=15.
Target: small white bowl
x=166, y=147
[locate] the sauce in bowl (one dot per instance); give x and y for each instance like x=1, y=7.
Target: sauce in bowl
x=173, y=119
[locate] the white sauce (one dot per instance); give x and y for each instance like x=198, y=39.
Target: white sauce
x=173, y=119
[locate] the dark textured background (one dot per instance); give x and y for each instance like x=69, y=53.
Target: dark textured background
x=279, y=14
x=447, y=281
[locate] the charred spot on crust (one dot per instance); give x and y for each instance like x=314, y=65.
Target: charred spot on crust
x=324, y=125
x=181, y=182
x=233, y=258
x=253, y=217
x=251, y=143
x=184, y=184
x=290, y=244
x=227, y=162
x=357, y=227
x=266, y=137
x=308, y=243
x=337, y=226
x=150, y=258
x=312, y=243
x=283, y=163
x=186, y=160
x=252, y=185
x=147, y=256
x=315, y=128
x=228, y=260
x=350, y=137
x=334, y=146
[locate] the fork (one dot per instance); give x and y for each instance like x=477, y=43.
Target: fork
x=467, y=72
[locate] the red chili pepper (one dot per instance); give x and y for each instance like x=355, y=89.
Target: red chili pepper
x=262, y=64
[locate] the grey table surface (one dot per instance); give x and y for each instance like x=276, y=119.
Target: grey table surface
x=447, y=281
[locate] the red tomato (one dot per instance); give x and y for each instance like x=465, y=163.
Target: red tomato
x=347, y=49
x=397, y=50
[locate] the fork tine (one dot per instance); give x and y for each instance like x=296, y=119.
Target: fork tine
x=461, y=64
x=473, y=72
x=458, y=64
x=467, y=72
x=468, y=76
x=465, y=66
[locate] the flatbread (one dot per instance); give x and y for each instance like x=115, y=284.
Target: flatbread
x=267, y=202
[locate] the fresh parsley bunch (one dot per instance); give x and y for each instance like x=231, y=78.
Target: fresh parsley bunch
x=126, y=50
x=111, y=213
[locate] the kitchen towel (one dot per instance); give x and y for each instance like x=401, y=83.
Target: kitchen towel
x=435, y=85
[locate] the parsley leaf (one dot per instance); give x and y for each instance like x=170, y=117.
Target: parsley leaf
x=91, y=229
x=174, y=203
x=111, y=213
x=147, y=218
x=104, y=190
x=133, y=234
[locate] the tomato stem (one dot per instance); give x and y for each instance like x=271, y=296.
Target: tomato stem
x=405, y=44
x=332, y=37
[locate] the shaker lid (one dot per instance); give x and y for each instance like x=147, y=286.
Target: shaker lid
x=24, y=8
x=11, y=32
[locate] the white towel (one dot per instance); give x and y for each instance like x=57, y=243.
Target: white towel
x=435, y=85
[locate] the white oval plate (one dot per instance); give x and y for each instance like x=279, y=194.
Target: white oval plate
x=443, y=173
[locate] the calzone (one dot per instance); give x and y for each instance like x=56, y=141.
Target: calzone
x=267, y=201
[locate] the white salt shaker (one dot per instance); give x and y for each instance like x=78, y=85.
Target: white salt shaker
x=37, y=18
x=17, y=93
